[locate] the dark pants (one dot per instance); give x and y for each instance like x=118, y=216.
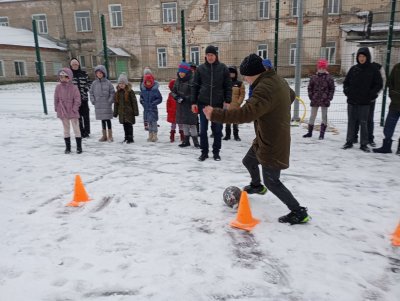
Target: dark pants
x=271, y=180
x=105, y=123
x=84, y=119
x=128, y=130
x=357, y=113
x=235, y=130
x=390, y=123
x=216, y=128
x=370, y=123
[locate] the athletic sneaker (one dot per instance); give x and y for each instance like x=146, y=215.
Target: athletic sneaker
x=250, y=189
x=299, y=216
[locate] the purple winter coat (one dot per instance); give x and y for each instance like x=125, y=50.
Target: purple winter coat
x=321, y=89
x=67, y=98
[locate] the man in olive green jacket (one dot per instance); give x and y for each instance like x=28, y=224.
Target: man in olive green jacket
x=269, y=108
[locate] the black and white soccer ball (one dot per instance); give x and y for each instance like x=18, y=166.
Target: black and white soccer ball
x=231, y=196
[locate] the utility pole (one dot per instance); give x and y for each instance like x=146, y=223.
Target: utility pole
x=103, y=32
x=298, y=57
x=276, y=35
x=183, y=35
x=322, y=53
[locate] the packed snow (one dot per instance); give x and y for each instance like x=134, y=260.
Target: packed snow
x=157, y=228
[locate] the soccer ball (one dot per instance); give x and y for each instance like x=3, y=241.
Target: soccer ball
x=231, y=196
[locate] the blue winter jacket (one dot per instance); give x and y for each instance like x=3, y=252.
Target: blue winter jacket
x=150, y=98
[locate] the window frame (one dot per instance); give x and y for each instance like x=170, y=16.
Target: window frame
x=331, y=7
x=166, y=11
x=24, y=69
x=88, y=18
x=265, y=4
x=41, y=23
x=292, y=53
x=114, y=16
x=328, y=50
x=195, y=54
x=161, y=57
x=4, y=23
x=259, y=51
x=82, y=61
x=215, y=12
x=93, y=59
x=293, y=7
x=2, y=69
x=57, y=66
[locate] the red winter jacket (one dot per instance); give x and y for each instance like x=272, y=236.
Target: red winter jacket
x=171, y=105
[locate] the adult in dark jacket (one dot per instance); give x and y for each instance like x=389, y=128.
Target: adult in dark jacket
x=320, y=91
x=181, y=92
x=81, y=80
x=212, y=86
x=361, y=85
x=269, y=108
x=393, y=115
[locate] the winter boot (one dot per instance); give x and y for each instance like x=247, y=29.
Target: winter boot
x=322, y=132
x=104, y=137
x=172, y=136
x=347, y=145
x=236, y=132
x=110, y=136
x=67, y=145
x=78, y=145
x=203, y=157
x=227, y=132
x=185, y=142
x=182, y=136
x=298, y=216
x=196, y=142
x=398, y=149
x=129, y=139
x=150, y=139
x=154, y=139
x=250, y=189
x=309, y=133
x=365, y=148
x=237, y=138
x=386, y=147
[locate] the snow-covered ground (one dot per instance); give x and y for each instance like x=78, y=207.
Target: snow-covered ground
x=157, y=228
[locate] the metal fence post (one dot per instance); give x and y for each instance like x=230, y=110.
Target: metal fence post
x=103, y=33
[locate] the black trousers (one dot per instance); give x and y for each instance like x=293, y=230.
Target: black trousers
x=271, y=180
x=357, y=113
x=106, y=123
x=128, y=129
x=370, y=123
x=84, y=119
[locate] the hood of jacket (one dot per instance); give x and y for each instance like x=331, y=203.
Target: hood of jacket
x=102, y=69
x=66, y=70
x=365, y=51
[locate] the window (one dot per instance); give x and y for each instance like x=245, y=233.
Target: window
x=57, y=66
x=4, y=21
x=94, y=61
x=333, y=7
x=20, y=68
x=292, y=55
x=169, y=12
x=43, y=68
x=262, y=50
x=162, y=57
x=330, y=52
x=2, y=74
x=213, y=11
x=195, y=55
x=82, y=21
x=82, y=61
x=295, y=8
x=264, y=9
x=115, y=11
x=41, y=22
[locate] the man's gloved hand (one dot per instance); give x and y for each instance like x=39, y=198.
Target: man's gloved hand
x=179, y=100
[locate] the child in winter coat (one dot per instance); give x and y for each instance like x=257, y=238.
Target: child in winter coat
x=150, y=97
x=102, y=97
x=320, y=91
x=171, y=114
x=184, y=115
x=126, y=107
x=67, y=101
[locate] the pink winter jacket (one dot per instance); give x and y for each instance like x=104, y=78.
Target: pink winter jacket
x=67, y=98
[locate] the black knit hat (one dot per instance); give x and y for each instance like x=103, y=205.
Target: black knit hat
x=211, y=49
x=252, y=65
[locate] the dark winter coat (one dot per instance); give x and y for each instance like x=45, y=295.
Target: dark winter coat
x=393, y=84
x=182, y=88
x=363, y=81
x=102, y=96
x=125, y=105
x=321, y=89
x=212, y=85
x=81, y=80
x=269, y=108
x=150, y=98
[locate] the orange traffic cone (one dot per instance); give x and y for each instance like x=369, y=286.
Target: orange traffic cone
x=396, y=237
x=80, y=194
x=244, y=219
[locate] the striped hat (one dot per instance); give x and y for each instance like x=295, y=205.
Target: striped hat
x=184, y=67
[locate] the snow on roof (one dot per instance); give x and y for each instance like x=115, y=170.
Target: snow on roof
x=119, y=51
x=24, y=37
x=376, y=27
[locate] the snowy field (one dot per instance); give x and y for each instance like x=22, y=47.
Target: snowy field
x=157, y=228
